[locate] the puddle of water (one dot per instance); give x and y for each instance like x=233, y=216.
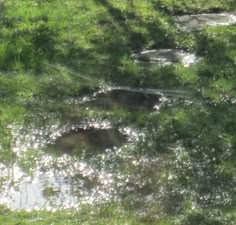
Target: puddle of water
x=98, y=162
x=61, y=180
x=66, y=185
x=167, y=57
x=195, y=22
x=147, y=181
x=34, y=192
x=128, y=98
x=66, y=182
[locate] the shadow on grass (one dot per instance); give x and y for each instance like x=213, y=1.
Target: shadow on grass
x=121, y=34
x=121, y=39
x=26, y=49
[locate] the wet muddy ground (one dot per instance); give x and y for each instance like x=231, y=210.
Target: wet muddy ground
x=67, y=159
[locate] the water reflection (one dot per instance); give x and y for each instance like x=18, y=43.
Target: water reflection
x=41, y=181
x=143, y=180
x=42, y=190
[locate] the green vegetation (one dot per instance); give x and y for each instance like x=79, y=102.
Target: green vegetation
x=54, y=50
x=100, y=216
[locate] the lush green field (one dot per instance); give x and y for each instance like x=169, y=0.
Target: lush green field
x=55, y=50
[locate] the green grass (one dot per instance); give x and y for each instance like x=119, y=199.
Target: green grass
x=88, y=36
x=86, y=216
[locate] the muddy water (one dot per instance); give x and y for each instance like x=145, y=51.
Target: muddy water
x=195, y=22
x=166, y=57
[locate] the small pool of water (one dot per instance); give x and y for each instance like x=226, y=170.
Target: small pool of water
x=197, y=21
x=124, y=98
x=166, y=57
x=63, y=166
